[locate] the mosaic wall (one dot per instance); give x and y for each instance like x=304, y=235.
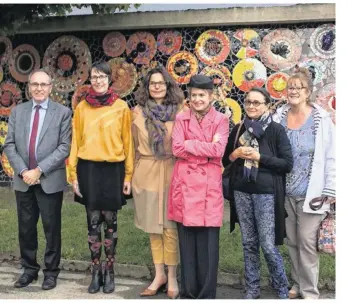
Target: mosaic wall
x=236, y=58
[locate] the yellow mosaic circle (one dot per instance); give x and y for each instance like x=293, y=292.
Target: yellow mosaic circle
x=236, y=108
x=3, y=132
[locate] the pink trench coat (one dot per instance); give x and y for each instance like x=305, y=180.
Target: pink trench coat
x=195, y=195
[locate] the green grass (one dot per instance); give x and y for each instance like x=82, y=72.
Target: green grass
x=133, y=244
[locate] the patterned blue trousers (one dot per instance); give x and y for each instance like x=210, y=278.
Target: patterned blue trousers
x=256, y=214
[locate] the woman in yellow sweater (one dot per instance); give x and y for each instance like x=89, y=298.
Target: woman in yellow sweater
x=101, y=167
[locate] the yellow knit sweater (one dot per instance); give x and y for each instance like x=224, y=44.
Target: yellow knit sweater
x=102, y=134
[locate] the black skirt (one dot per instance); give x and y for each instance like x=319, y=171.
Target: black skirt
x=101, y=184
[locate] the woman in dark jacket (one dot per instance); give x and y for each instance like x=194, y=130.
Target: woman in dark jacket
x=260, y=157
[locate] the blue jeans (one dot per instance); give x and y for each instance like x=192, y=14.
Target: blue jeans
x=256, y=214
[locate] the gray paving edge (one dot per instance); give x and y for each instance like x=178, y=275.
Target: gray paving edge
x=147, y=272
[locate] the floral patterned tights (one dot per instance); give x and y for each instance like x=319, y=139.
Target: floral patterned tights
x=95, y=219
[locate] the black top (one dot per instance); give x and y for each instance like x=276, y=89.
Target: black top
x=275, y=158
x=268, y=162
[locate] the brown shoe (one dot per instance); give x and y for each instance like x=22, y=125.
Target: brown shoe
x=153, y=292
x=173, y=294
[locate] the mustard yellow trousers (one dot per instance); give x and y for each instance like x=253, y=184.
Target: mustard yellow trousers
x=165, y=247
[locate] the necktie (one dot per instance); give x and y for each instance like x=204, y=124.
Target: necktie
x=32, y=142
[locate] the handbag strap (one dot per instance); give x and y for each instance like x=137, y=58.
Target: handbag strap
x=237, y=134
x=226, y=170
x=317, y=203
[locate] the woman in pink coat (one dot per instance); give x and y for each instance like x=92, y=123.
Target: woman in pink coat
x=195, y=200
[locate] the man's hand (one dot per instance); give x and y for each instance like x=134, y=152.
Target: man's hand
x=31, y=177
x=127, y=188
x=76, y=188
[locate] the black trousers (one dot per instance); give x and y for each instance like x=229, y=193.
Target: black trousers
x=199, y=254
x=30, y=205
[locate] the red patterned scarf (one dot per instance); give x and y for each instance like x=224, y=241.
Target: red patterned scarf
x=96, y=100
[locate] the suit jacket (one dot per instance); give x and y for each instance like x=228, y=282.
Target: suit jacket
x=52, y=150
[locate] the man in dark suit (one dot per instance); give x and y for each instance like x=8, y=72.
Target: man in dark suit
x=37, y=144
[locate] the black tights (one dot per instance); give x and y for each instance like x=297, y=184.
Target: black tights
x=95, y=219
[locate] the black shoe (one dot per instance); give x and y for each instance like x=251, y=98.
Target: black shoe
x=109, y=280
x=24, y=280
x=96, y=282
x=49, y=283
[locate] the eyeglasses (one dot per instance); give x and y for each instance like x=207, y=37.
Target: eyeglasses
x=297, y=89
x=254, y=103
x=101, y=78
x=36, y=85
x=160, y=83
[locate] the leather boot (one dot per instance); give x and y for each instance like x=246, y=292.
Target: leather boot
x=109, y=280
x=97, y=281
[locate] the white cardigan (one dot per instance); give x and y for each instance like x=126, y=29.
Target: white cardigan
x=322, y=175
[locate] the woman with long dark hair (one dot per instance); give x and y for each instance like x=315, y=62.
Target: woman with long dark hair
x=159, y=99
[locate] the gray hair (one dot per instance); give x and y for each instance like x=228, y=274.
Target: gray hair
x=41, y=70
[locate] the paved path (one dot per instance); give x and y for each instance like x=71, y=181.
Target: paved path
x=74, y=286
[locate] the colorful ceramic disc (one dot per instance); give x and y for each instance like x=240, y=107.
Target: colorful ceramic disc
x=323, y=41
x=3, y=132
x=245, y=43
x=79, y=95
x=326, y=97
x=181, y=66
x=276, y=85
x=68, y=61
x=5, y=49
x=212, y=47
x=10, y=96
x=114, y=44
x=280, y=49
x=124, y=76
x=316, y=67
x=141, y=47
x=169, y=42
x=221, y=76
x=6, y=166
x=249, y=73
x=236, y=110
x=24, y=59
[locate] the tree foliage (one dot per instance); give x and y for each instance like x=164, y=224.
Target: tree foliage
x=14, y=16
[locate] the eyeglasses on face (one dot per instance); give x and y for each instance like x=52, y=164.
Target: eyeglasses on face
x=248, y=103
x=35, y=85
x=101, y=78
x=160, y=83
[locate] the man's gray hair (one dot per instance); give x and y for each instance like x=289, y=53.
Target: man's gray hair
x=41, y=70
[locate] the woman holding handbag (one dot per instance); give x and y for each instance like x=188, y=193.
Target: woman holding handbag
x=312, y=136
x=261, y=154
